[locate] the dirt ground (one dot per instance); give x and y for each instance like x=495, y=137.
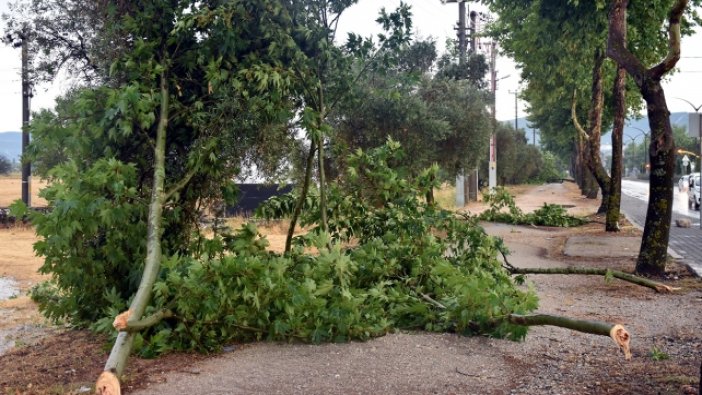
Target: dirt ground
x=11, y=190
x=665, y=328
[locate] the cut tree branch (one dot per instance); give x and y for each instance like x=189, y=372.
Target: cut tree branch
x=617, y=332
x=124, y=325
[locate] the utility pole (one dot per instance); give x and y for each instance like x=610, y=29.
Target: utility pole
x=462, y=45
x=492, y=167
x=463, y=182
x=26, y=94
x=473, y=179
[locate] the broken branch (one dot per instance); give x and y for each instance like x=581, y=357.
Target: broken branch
x=123, y=324
x=644, y=282
x=617, y=332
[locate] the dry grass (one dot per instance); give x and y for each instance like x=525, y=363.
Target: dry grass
x=445, y=196
x=11, y=190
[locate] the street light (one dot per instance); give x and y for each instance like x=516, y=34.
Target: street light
x=685, y=152
x=645, y=134
x=633, y=156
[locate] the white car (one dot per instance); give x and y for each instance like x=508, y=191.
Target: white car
x=693, y=194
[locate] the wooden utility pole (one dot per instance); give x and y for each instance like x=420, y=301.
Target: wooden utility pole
x=26, y=94
x=492, y=165
x=473, y=178
x=462, y=180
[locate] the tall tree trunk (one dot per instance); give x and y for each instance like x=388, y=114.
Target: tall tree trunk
x=656, y=235
x=580, y=164
x=123, y=345
x=594, y=130
x=303, y=195
x=654, y=243
x=322, y=178
x=615, y=190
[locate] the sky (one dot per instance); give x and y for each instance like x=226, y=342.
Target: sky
x=431, y=18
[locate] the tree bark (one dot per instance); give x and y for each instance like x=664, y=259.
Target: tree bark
x=123, y=345
x=615, y=184
x=303, y=195
x=654, y=243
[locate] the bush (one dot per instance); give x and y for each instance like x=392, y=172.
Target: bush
x=91, y=240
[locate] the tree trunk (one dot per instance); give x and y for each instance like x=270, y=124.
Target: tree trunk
x=656, y=235
x=580, y=167
x=615, y=190
x=123, y=345
x=303, y=195
x=594, y=132
x=591, y=188
x=654, y=243
x=322, y=178
x=584, y=178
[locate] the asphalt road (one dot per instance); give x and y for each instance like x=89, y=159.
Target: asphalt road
x=684, y=242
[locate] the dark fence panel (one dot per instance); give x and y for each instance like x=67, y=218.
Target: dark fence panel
x=252, y=195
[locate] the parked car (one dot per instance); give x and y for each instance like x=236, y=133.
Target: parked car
x=684, y=183
x=693, y=193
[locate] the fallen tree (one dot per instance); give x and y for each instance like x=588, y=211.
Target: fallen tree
x=382, y=283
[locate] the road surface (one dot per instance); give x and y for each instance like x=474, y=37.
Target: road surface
x=684, y=242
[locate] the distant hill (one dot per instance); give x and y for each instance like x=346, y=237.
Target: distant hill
x=630, y=129
x=11, y=145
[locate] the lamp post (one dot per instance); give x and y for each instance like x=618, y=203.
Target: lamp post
x=645, y=134
x=633, y=143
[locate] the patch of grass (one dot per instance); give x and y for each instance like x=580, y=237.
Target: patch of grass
x=658, y=355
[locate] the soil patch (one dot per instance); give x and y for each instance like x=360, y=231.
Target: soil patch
x=612, y=246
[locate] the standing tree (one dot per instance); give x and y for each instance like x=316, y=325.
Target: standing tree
x=654, y=244
x=325, y=74
x=191, y=91
x=5, y=165
x=437, y=119
x=575, y=63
